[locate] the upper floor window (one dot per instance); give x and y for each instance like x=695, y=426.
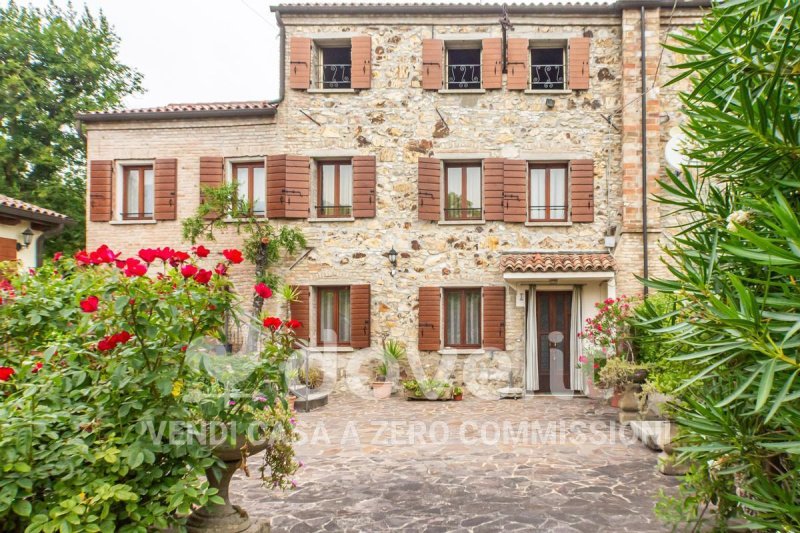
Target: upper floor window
x=464, y=66
x=548, y=68
x=251, y=184
x=462, y=314
x=334, y=64
x=333, y=313
x=462, y=189
x=138, y=193
x=548, y=192
x=334, y=189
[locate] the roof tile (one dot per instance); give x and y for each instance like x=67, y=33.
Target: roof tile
x=557, y=263
x=183, y=108
x=7, y=201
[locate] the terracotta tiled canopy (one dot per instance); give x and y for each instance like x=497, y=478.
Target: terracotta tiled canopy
x=557, y=263
x=7, y=201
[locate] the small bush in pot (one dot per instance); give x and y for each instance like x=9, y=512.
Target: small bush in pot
x=393, y=354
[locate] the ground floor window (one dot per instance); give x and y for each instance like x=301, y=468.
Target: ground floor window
x=333, y=313
x=462, y=313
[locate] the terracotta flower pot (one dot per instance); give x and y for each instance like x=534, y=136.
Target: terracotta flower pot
x=615, y=398
x=381, y=389
x=291, y=399
x=458, y=397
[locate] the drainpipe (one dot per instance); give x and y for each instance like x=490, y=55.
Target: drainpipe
x=40, y=242
x=644, y=156
x=282, y=82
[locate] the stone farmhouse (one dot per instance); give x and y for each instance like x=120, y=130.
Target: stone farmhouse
x=509, y=157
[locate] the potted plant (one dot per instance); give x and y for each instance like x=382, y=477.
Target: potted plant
x=618, y=374
x=428, y=389
x=393, y=353
x=458, y=394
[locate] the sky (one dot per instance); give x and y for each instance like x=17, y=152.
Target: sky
x=196, y=50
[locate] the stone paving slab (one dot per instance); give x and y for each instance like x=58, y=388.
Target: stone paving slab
x=537, y=464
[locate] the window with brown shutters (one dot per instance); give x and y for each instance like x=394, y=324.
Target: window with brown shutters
x=362, y=62
x=251, y=185
x=288, y=186
x=360, y=313
x=429, y=171
x=579, y=63
x=334, y=316
x=432, y=59
x=493, y=188
x=492, y=62
x=514, y=190
x=582, y=190
x=518, y=61
x=364, y=194
x=462, y=317
x=547, y=192
x=494, y=318
x=212, y=174
x=166, y=189
x=299, y=310
x=463, y=191
x=100, y=173
x=137, y=192
x=429, y=318
x=547, y=67
x=299, y=63
x=334, y=189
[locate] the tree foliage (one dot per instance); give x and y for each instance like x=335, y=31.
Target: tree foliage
x=54, y=63
x=735, y=265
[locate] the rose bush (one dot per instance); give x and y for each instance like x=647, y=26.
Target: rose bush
x=108, y=384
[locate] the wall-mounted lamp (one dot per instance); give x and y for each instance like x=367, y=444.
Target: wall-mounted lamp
x=393, y=260
x=27, y=238
x=550, y=103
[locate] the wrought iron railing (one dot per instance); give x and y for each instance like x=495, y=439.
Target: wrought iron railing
x=463, y=213
x=547, y=76
x=324, y=211
x=545, y=212
x=464, y=76
x=336, y=76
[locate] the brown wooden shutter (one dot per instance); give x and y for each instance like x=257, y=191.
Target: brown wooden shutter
x=100, y=173
x=430, y=317
x=494, y=318
x=432, y=59
x=359, y=316
x=578, y=73
x=492, y=63
x=519, y=58
x=212, y=174
x=287, y=186
x=361, y=59
x=515, y=196
x=493, y=188
x=8, y=250
x=300, y=63
x=581, y=190
x=166, y=189
x=429, y=188
x=299, y=310
x=364, y=186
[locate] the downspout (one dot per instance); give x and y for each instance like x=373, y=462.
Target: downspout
x=40, y=242
x=282, y=82
x=644, y=156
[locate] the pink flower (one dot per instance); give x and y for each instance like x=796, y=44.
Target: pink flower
x=272, y=322
x=203, y=276
x=583, y=359
x=187, y=271
x=221, y=269
x=233, y=255
x=57, y=256
x=89, y=305
x=201, y=251
x=262, y=290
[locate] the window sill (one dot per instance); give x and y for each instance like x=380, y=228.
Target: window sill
x=462, y=91
x=462, y=351
x=318, y=220
x=331, y=349
x=551, y=224
x=461, y=222
x=548, y=91
x=230, y=220
x=131, y=222
x=322, y=91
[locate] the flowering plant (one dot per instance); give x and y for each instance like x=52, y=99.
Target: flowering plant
x=109, y=379
x=605, y=335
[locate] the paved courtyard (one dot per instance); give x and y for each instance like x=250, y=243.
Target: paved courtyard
x=538, y=464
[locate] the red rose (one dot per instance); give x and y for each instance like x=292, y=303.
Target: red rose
x=165, y=254
x=221, y=269
x=148, y=255
x=204, y=276
x=187, y=271
x=178, y=258
x=82, y=257
x=262, y=290
x=102, y=255
x=233, y=255
x=6, y=372
x=89, y=305
x=122, y=337
x=272, y=322
x=36, y=367
x=135, y=271
x=105, y=345
x=293, y=324
x=57, y=256
x=201, y=251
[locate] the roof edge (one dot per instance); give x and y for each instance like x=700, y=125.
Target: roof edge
x=122, y=116
x=479, y=9
x=37, y=217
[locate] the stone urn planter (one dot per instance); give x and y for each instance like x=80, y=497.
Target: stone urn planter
x=227, y=517
x=381, y=389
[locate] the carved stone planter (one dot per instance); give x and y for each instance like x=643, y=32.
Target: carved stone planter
x=226, y=517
